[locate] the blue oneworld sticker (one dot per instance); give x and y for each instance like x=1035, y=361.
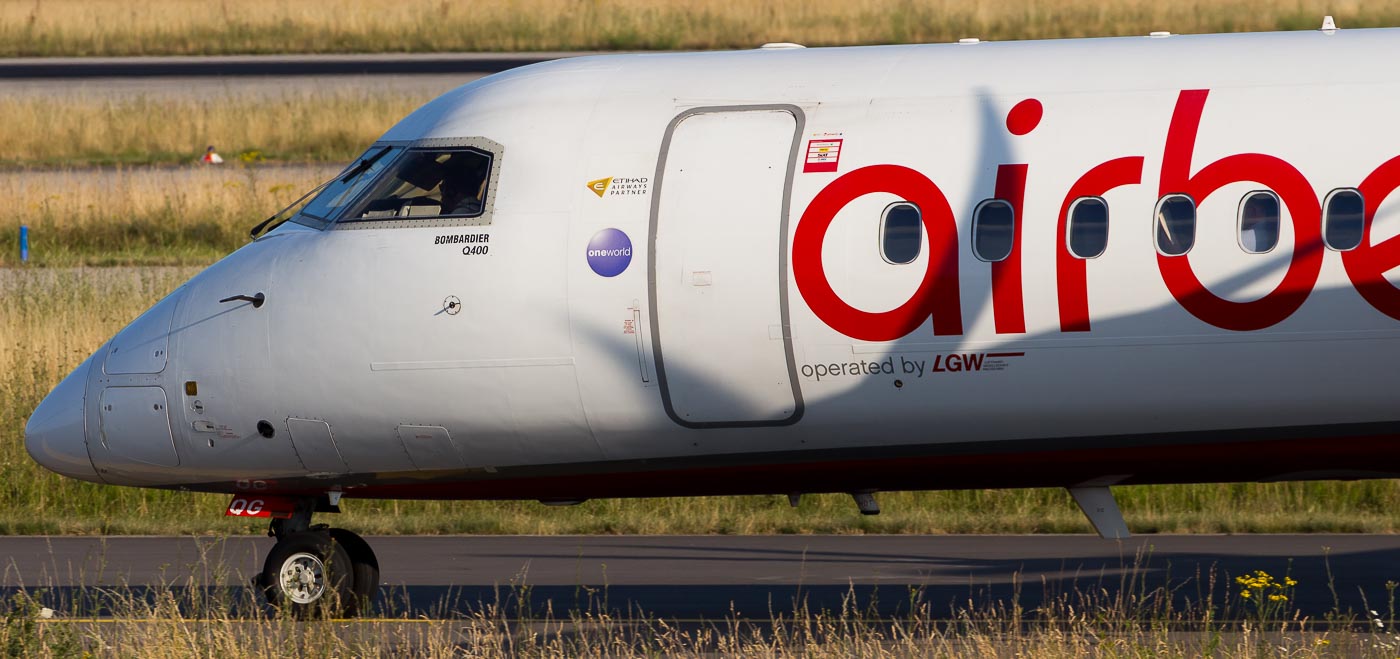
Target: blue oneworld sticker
x=609, y=252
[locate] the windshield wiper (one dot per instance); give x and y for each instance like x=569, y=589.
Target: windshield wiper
x=253, y=233
x=348, y=175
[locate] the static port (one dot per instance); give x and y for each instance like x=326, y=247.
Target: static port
x=266, y=430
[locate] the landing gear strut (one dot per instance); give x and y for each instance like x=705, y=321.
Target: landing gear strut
x=317, y=571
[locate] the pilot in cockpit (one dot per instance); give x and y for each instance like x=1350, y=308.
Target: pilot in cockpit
x=430, y=183
x=463, y=184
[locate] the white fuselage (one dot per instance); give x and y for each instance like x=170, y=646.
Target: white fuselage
x=740, y=330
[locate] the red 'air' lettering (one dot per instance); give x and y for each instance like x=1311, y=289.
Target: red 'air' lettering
x=1366, y=265
x=1071, y=274
x=937, y=295
x=1008, y=294
x=1283, y=178
x=1008, y=298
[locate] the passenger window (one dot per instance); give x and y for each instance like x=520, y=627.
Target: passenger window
x=1088, y=227
x=901, y=233
x=1343, y=219
x=1259, y=221
x=993, y=226
x=428, y=183
x=1175, y=224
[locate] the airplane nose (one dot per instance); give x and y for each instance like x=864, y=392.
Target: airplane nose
x=54, y=435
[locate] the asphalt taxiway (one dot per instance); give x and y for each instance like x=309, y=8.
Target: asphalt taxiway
x=712, y=577
x=255, y=76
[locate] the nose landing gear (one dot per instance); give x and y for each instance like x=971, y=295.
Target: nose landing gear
x=308, y=574
x=317, y=571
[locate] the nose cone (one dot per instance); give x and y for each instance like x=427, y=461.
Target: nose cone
x=54, y=435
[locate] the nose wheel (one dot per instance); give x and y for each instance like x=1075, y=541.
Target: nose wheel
x=318, y=572
x=364, y=568
x=308, y=574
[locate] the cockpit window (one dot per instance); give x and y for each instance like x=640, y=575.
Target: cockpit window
x=428, y=183
x=347, y=185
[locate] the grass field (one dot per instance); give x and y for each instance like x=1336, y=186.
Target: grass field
x=1122, y=617
x=1144, y=623
x=53, y=318
x=320, y=125
x=63, y=130
x=180, y=215
x=198, y=27
x=1073, y=628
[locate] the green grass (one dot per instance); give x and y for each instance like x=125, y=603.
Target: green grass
x=52, y=318
x=297, y=125
x=60, y=506
x=163, y=239
x=189, y=215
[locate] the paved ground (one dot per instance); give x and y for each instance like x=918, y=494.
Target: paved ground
x=265, y=65
x=254, y=76
x=715, y=576
x=217, y=88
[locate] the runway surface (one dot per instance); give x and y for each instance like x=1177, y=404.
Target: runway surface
x=710, y=577
x=255, y=76
x=220, y=89
x=268, y=65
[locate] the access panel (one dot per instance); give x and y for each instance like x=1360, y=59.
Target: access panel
x=135, y=424
x=141, y=347
x=315, y=445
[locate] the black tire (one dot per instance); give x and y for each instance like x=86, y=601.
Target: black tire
x=308, y=575
x=365, y=567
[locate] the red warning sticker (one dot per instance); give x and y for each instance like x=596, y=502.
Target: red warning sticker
x=823, y=155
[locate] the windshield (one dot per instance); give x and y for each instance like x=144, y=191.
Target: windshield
x=347, y=185
x=446, y=182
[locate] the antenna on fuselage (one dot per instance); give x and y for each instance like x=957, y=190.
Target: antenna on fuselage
x=1102, y=510
x=865, y=501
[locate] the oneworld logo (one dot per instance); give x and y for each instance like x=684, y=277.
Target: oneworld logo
x=609, y=252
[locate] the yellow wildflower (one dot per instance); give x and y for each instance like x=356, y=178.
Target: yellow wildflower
x=1245, y=594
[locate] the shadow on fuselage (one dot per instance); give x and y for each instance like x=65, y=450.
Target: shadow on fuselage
x=1176, y=420
x=1168, y=381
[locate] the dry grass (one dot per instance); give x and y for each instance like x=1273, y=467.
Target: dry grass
x=112, y=27
x=808, y=635
x=168, y=216
x=50, y=320
x=334, y=125
x=189, y=619
x=53, y=318
x=96, y=129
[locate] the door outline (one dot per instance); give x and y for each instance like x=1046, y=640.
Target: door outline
x=785, y=318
